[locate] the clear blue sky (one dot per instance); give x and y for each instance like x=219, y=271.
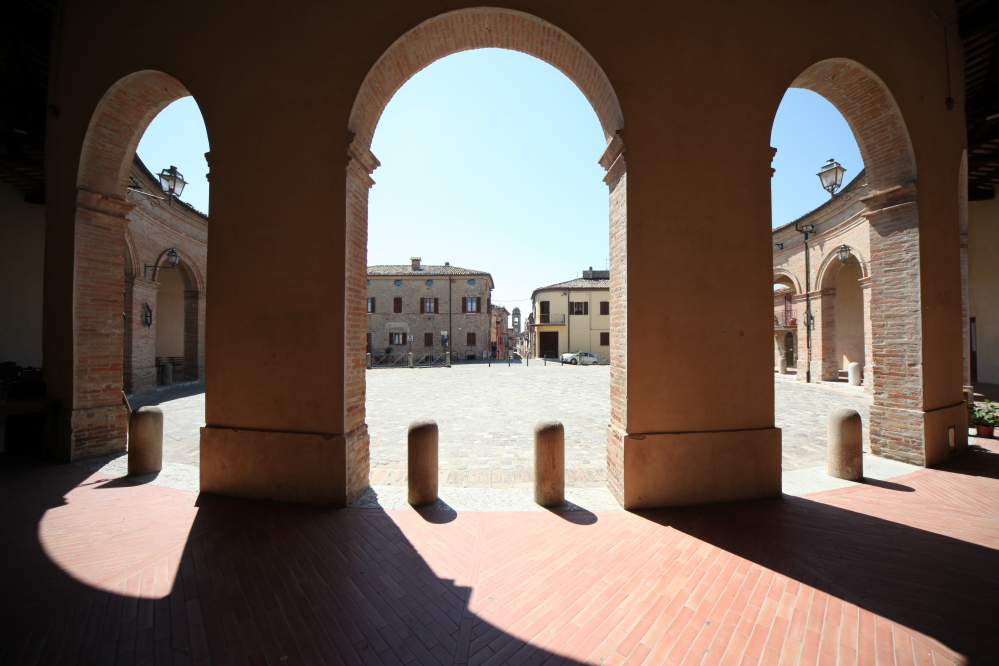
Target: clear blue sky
x=489, y=161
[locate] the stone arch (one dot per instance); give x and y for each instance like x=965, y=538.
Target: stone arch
x=790, y=277
x=481, y=28
x=872, y=114
x=93, y=410
x=436, y=38
x=831, y=265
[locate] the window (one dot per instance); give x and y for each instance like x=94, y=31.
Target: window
x=397, y=305
x=429, y=305
x=545, y=305
x=605, y=307
x=428, y=339
x=371, y=304
x=398, y=283
x=471, y=282
x=470, y=339
x=369, y=283
x=604, y=339
x=430, y=283
x=397, y=338
x=471, y=305
x=580, y=308
x=369, y=343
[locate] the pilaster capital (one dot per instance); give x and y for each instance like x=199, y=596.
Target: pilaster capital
x=867, y=282
x=361, y=161
x=889, y=201
x=102, y=204
x=773, y=154
x=612, y=159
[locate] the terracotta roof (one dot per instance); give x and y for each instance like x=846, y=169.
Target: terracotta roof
x=406, y=270
x=852, y=185
x=578, y=283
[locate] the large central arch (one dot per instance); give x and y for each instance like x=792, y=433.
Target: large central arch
x=436, y=38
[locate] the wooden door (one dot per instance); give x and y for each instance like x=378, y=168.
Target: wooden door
x=548, y=344
x=789, y=349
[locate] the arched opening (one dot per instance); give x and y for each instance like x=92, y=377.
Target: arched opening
x=96, y=336
x=878, y=218
x=786, y=316
x=430, y=41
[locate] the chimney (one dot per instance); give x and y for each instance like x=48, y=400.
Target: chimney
x=447, y=263
x=416, y=263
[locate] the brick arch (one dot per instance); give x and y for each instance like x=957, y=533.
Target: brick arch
x=480, y=28
x=453, y=32
x=831, y=265
x=784, y=273
x=119, y=121
x=872, y=114
x=189, y=273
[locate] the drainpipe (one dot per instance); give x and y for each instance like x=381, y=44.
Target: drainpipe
x=808, y=307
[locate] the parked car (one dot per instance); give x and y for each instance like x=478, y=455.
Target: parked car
x=580, y=358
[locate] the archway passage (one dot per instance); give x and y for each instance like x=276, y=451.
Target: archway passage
x=434, y=39
x=912, y=415
x=83, y=344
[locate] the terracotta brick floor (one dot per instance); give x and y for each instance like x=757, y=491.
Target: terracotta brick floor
x=100, y=571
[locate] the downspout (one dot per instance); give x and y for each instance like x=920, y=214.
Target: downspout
x=808, y=308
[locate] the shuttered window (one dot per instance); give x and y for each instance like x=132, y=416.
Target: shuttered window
x=371, y=304
x=471, y=305
x=428, y=339
x=437, y=305
x=604, y=339
x=545, y=316
x=397, y=305
x=397, y=338
x=580, y=308
x=369, y=343
x=428, y=306
x=605, y=307
x=470, y=339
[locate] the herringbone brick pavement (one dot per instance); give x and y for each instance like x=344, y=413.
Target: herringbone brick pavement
x=99, y=571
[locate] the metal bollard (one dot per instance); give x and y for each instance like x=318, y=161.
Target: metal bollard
x=167, y=373
x=367, y=361
x=853, y=374
x=447, y=359
x=145, y=441
x=845, y=441
x=422, y=462
x=782, y=366
x=411, y=359
x=549, y=463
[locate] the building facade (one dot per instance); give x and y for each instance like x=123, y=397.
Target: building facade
x=429, y=310
x=572, y=316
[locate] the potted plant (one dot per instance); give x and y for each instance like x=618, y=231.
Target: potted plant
x=986, y=418
x=388, y=351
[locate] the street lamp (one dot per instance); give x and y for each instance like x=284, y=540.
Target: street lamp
x=831, y=175
x=843, y=253
x=172, y=257
x=172, y=183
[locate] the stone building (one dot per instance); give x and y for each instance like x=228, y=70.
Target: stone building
x=572, y=316
x=417, y=308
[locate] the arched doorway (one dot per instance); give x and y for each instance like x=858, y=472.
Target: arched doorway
x=434, y=39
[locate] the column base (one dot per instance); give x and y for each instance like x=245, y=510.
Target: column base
x=919, y=438
x=285, y=466
x=680, y=469
x=937, y=436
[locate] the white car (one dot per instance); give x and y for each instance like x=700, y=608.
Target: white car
x=580, y=358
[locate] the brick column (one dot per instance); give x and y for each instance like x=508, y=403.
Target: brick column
x=194, y=335
x=824, y=363
x=865, y=286
x=140, y=340
x=361, y=164
x=802, y=339
x=92, y=420
x=612, y=160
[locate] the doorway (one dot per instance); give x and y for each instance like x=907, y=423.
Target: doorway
x=548, y=344
x=789, y=349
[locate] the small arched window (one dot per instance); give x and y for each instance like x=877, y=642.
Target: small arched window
x=430, y=283
x=398, y=283
x=471, y=282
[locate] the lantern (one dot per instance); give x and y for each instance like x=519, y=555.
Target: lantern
x=831, y=175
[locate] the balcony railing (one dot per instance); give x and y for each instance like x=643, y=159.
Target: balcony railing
x=785, y=318
x=552, y=319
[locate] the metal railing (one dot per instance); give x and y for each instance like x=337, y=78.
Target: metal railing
x=389, y=360
x=784, y=317
x=429, y=360
x=552, y=319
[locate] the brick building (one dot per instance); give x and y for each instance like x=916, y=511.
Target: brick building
x=499, y=331
x=572, y=316
x=416, y=308
x=164, y=333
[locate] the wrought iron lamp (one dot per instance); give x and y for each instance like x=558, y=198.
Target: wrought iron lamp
x=843, y=253
x=172, y=182
x=831, y=175
x=172, y=257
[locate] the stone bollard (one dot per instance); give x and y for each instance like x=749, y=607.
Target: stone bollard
x=549, y=463
x=167, y=373
x=845, y=440
x=422, y=462
x=367, y=361
x=853, y=373
x=145, y=441
x=782, y=366
x=411, y=359
x=447, y=359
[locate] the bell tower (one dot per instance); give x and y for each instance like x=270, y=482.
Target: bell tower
x=516, y=319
